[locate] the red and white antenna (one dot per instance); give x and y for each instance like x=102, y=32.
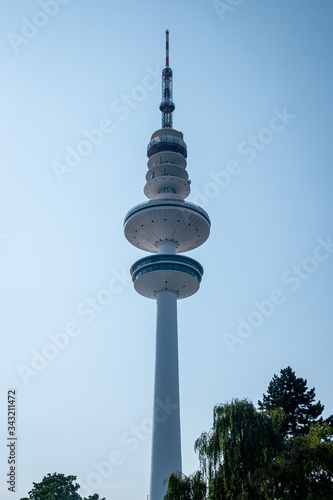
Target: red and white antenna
x=167, y=49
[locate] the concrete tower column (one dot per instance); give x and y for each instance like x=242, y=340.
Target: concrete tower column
x=166, y=444
x=167, y=247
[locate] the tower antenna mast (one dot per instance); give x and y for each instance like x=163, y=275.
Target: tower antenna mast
x=167, y=106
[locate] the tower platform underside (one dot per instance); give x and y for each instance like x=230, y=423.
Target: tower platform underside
x=183, y=223
x=159, y=273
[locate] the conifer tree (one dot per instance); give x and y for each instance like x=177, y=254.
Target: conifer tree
x=297, y=401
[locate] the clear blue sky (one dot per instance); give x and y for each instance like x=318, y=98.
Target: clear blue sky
x=253, y=93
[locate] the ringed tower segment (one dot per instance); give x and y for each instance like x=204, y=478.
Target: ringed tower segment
x=166, y=226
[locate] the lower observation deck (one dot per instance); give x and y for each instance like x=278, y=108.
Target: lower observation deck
x=185, y=224
x=173, y=273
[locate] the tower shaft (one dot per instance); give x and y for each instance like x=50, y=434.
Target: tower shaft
x=166, y=444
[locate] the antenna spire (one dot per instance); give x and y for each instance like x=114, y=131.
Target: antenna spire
x=167, y=106
x=167, y=48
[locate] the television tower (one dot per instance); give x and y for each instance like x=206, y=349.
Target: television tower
x=167, y=226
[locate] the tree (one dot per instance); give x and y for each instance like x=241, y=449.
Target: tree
x=241, y=442
x=181, y=487
x=305, y=469
x=57, y=487
x=297, y=401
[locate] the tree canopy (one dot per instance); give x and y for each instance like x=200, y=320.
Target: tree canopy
x=57, y=487
x=251, y=453
x=241, y=442
x=292, y=395
x=186, y=488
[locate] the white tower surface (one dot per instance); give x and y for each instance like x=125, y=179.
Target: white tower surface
x=166, y=225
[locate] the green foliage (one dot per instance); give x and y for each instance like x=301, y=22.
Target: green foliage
x=306, y=466
x=57, y=487
x=93, y=497
x=283, y=451
x=181, y=487
x=297, y=401
x=241, y=442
